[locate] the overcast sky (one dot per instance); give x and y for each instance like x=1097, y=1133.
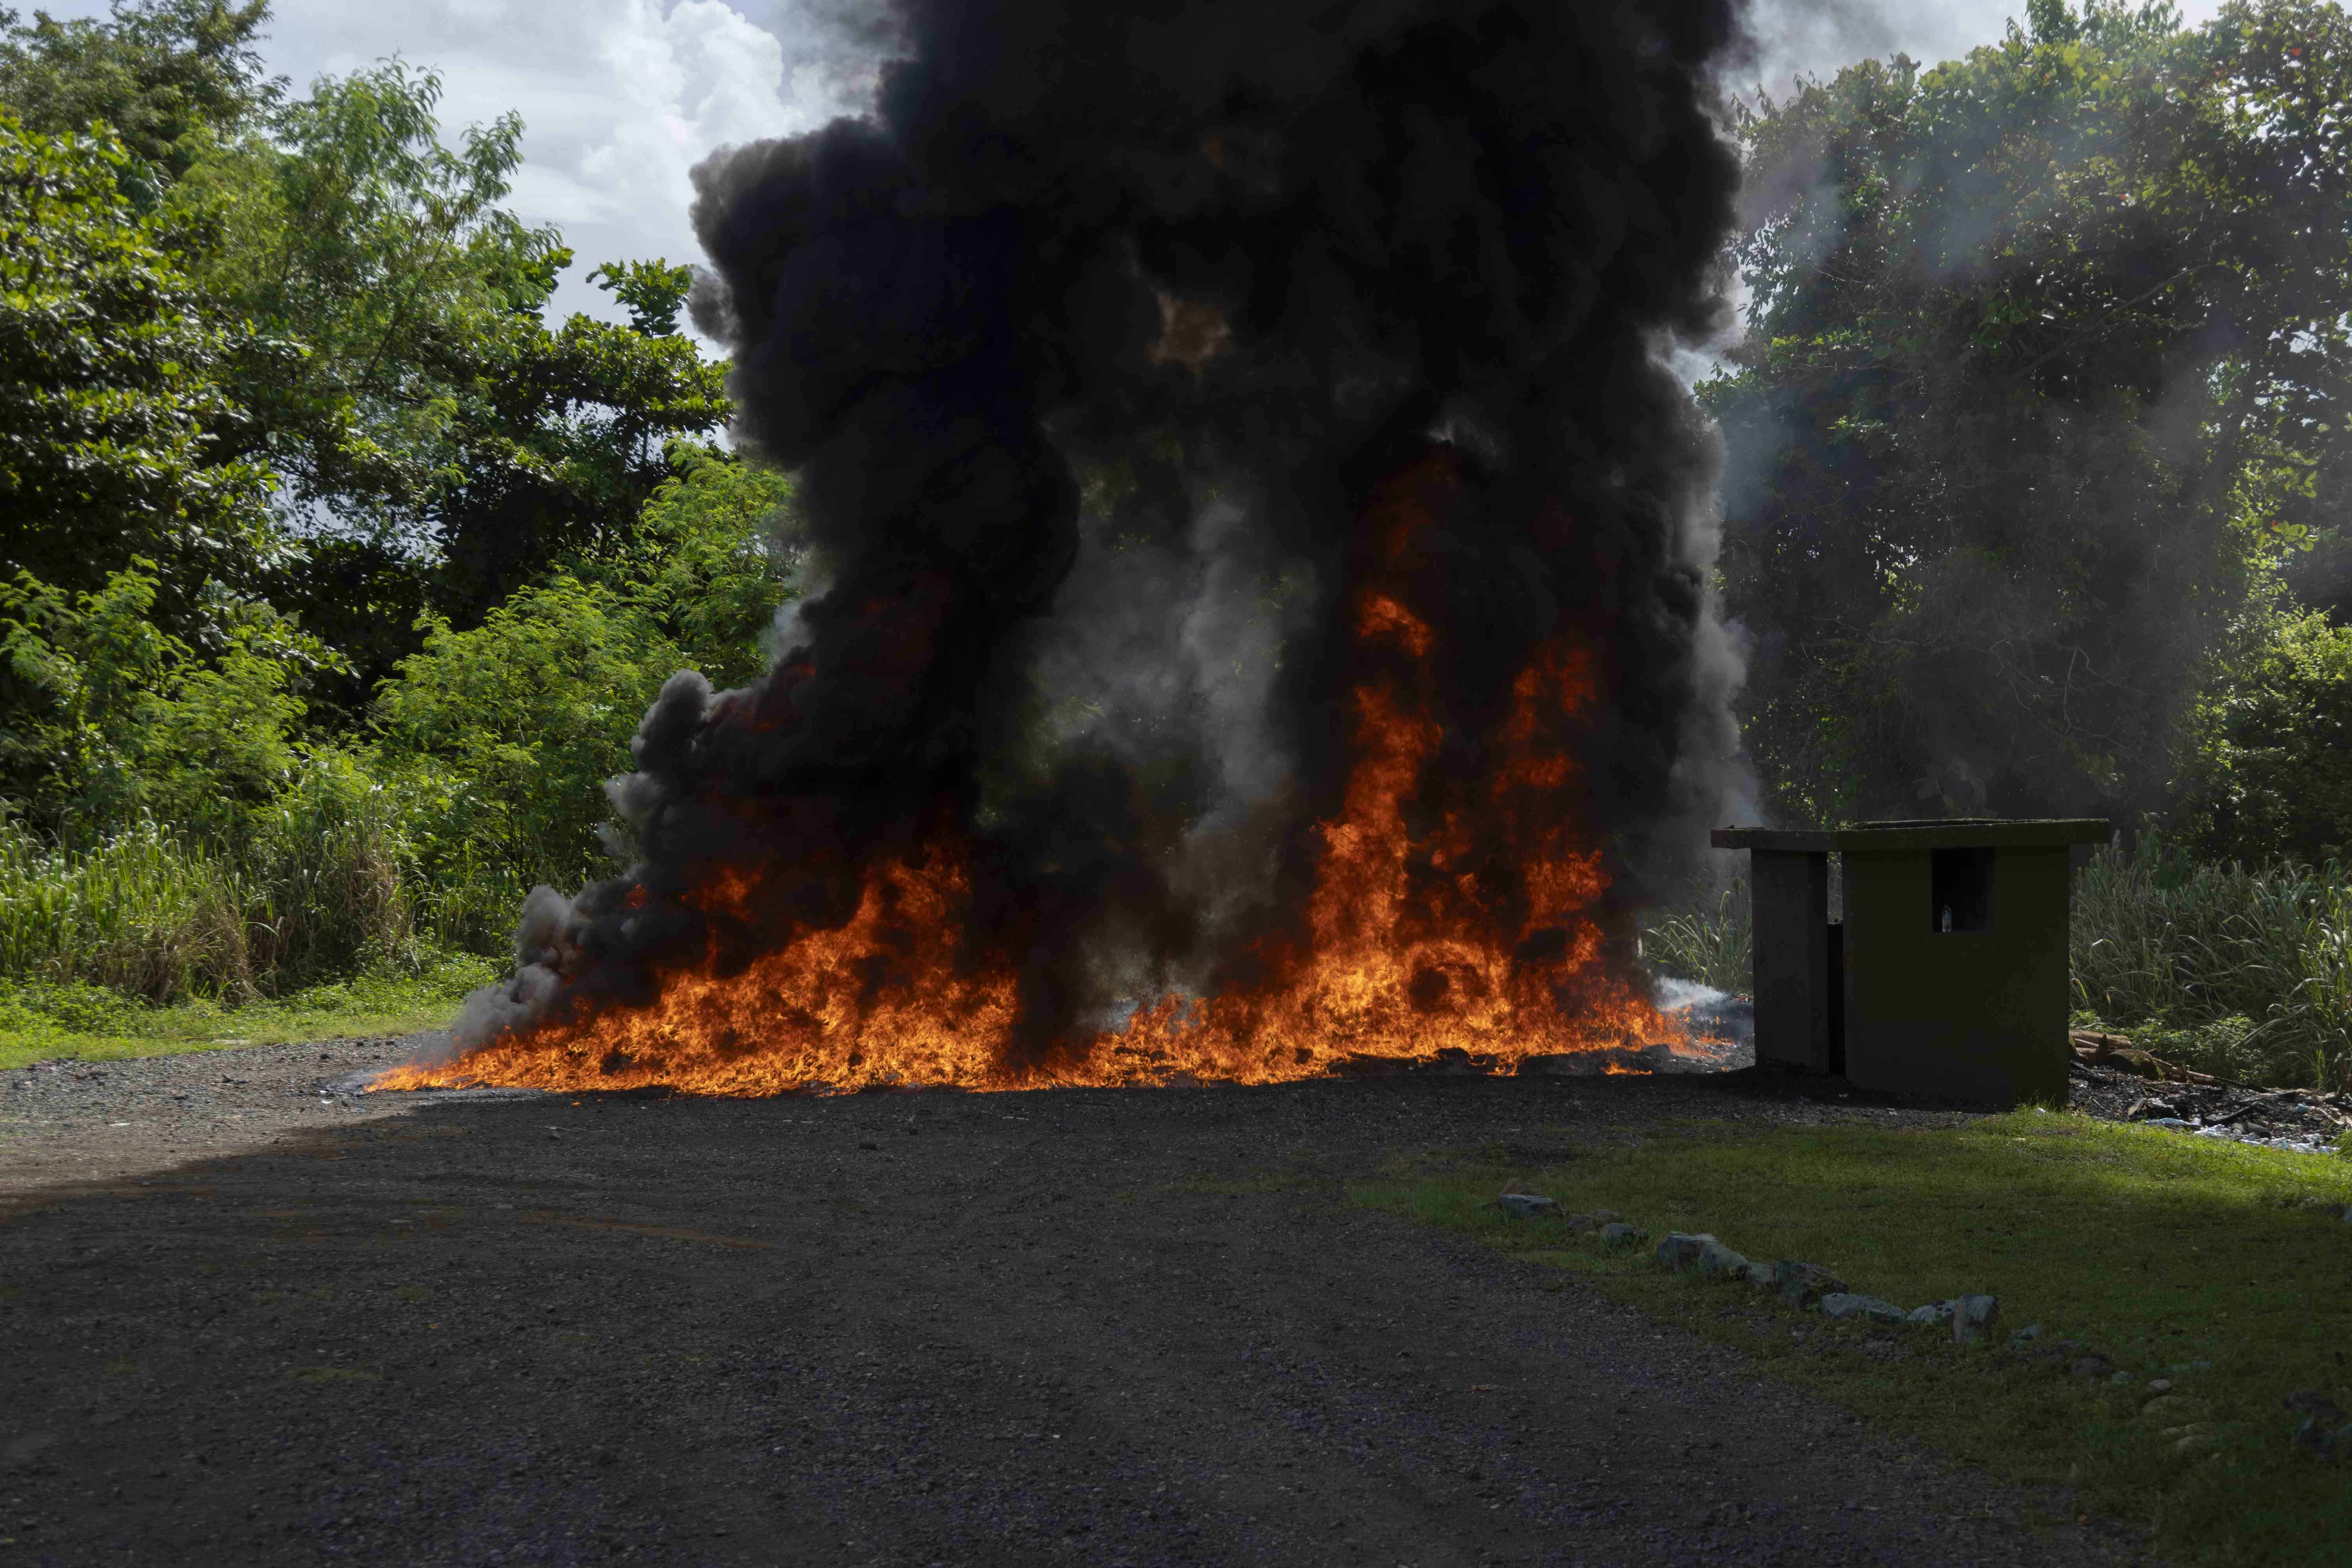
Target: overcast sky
x=621, y=97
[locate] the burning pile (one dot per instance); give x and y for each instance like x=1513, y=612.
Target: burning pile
x=1264, y=619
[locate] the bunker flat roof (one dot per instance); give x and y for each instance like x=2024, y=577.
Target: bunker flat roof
x=1939, y=833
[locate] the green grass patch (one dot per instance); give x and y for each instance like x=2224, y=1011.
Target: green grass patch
x=41, y=1022
x=2153, y=1249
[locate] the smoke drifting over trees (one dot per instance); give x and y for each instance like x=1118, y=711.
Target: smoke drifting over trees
x=1116, y=352
x=2043, y=387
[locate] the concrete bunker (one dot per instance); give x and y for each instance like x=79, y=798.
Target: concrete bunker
x=1946, y=978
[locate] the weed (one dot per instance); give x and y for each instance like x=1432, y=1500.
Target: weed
x=1712, y=944
x=2243, y=974
x=46, y=1020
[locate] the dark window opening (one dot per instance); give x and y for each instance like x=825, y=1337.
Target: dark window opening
x=1961, y=889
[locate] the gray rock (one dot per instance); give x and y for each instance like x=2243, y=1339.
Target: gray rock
x=1802, y=1284
x=1619, y=1234
x=1973, y=1317
x=1719, y=1262
x=2122, y=1379
x=2311, y=1402
x=1680, y=1250
x=1528, y=1205
x=2159, y=1385
x=1933, y=1313
x=1586, y=1223
x=1761, y=1274
x=2020, y=1336
x=1846, y=1304
x=1700, y=1254
x=2317, y=1439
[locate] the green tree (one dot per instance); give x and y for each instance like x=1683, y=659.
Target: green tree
x=447, y=446
x=116, y=719
x=2046, y=346
x=714, y=554
x=511, y=727
x=111, y=412
x=157, y=72
x=2275, y=778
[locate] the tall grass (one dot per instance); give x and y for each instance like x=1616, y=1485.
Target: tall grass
x=145, y=913
x=1712, y=944
x=326, y=881
x=2243, y=972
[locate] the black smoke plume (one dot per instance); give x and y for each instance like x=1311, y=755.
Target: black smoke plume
x=1091, y=346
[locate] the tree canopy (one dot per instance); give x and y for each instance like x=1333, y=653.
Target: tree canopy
x=116, y=428
x=156, y=73
x=282, y=413
x=443, y=445
x=2043, y=382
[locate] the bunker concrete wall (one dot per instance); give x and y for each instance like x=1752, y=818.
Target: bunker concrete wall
x=1969, y=1014
x=1790, y=895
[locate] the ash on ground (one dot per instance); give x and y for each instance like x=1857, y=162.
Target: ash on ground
x=2116, y=1081
x=1715, y=1032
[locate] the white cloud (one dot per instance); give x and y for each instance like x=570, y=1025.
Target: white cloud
x=621, y=97
x=619, y=100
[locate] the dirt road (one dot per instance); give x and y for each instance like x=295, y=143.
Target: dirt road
x=1059, y=1327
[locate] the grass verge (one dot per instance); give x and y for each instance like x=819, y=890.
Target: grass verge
x=2173, y=1257
x=47, y=1022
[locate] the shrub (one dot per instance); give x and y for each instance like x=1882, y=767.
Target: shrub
x=2248, y=974
x=107, y=719
x=505, y=734
x=319, y=883
x=2275, y=779
x=1712, y=944
x=143, y=912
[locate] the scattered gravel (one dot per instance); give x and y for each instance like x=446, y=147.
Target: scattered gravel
x=94, y=1121
x=1062, y=1327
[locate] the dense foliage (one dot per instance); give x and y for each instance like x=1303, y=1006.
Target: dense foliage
x=2042, y=390
x=155, y=73
x=111, y=401
x=460, y=446
x=333, y=578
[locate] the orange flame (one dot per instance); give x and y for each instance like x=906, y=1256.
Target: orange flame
x=1474, y=928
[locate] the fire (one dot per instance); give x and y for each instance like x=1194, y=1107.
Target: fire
x=1456, y=906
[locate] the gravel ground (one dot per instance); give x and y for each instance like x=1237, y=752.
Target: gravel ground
x=95, y=1121
x=895, y=1329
